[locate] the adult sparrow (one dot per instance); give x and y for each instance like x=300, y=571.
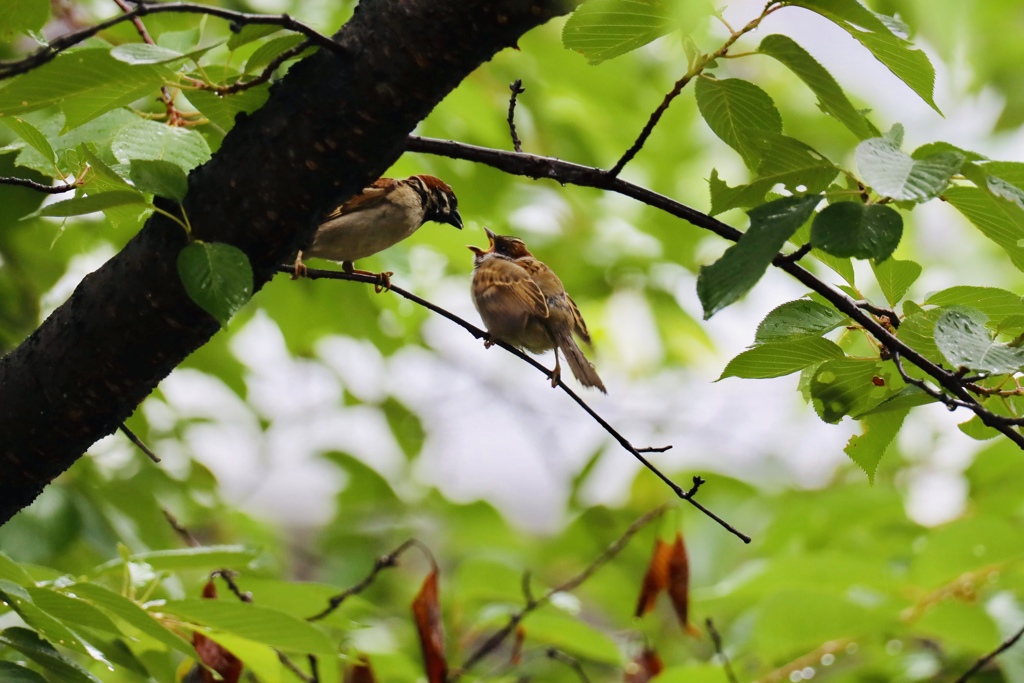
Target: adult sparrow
x=523, y=303
x=383, y=214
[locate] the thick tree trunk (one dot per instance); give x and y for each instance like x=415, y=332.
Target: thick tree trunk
x=332, y=125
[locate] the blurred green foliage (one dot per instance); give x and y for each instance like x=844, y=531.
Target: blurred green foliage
x=839, y=584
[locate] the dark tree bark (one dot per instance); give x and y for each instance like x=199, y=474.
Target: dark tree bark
x=335, y=123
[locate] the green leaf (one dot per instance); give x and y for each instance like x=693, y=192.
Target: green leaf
x=895, y=278
x=932, y=148
x=999, y=220
x=831, y=98
x=50, y=627
x=743, y=264
x=12, y=571
x=908, y=64
x=22, y=16
x=79, y=206
x=86, y=83
x=34, y=138
x=406, y=427
x=13, y=673
x=205, y=558
x=222, y=110
x=155, y=141
x=893, y=173
x=603, y=29
x=144, y=53
x=217, y=276
x=800, y=318
x=162, y=178
x=781, y=358
x=69, y=609
x=102, y=179
x=45, y=655
x=736, y=109
x=851, y=386
x=961, y=336
x=552, y=628
x=123, y=608
x=247, y=33
x=1005, y=190
x=879, y=430
x=995, y=303
x=268, y=626
x=855, y=230
x=269, y=51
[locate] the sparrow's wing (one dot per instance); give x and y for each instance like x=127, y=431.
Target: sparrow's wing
x=578, y=326
x=367, y=199
x=500, y=283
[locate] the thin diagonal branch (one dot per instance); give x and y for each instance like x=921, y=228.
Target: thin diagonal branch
x=139, y=443
x=58, y=45
x=267, y=72
x=694, y=71
x=980, y=664
x=499, y=636
x=717, y=640
x=380, y=564
x=568, y=660
x=517, y=89
x=688, y=496
x=39, y=187
x=567, y=173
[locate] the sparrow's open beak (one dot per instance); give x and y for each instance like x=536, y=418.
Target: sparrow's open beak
x=455, y=219
x=490, y=236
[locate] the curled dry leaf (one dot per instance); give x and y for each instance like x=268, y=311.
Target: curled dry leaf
x=668, y=570
x=644, y=667
x=516, y=658
x=427, y=610
x=212, y=654
x=360, y=672
x=679, y=584
x=656, y=579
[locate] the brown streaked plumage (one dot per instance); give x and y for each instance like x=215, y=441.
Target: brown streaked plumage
x=523, y=303
x=380, y=216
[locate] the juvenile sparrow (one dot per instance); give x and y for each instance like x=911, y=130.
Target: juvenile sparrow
x=383, y=214
x=522, y=302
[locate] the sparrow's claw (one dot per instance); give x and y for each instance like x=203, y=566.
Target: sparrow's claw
x=384, y=282
x=299, y=268
x=488, y=341
x=556, y=374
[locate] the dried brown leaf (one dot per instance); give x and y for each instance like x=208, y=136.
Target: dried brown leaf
x=679, y=584
x=427, y=610
x=656, y=579
x=644, y=667
x=214, y=655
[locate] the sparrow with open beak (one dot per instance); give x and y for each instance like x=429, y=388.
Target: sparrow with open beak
x=523, y=303
x=383, y=214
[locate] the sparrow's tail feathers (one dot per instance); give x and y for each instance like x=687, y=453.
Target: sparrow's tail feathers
x=582, y=368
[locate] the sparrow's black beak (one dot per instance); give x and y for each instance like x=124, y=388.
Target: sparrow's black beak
x=455, y=219
x=490, y=237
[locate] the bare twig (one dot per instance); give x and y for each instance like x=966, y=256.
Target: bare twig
x=138, y=442
x=58, y=45
x=228, y=576
x=517, y=89
x=565, y=173
x=804, y=250
x=266, y=74
x=39, y=187
x=499, y=636
x=696, y=70
x=980, y=664
x=572, y=662
x=380, y=564
x=180, y=529
x=293, y=667
x=481, y=334
x=939, y=396
x=717, y=640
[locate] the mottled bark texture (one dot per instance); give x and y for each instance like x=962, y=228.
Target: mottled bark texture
x=335, y=123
